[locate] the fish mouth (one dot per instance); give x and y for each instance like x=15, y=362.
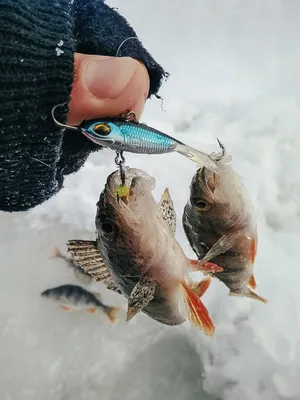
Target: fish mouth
x=124, y=190
x=206, y=179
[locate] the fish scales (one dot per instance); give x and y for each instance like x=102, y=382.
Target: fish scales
x=219, y=222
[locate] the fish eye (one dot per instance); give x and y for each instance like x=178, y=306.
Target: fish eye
x=107, y=227
x=102, y=129
x=200, y=204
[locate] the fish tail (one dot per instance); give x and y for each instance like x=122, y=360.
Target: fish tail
x=249, y=293
x=112, y=313
x=197, y=313
x=197, y=156
x=55, y=253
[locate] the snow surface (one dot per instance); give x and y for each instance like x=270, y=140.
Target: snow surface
x=235, y=75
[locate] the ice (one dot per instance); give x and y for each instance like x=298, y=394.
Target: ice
x=234, y=75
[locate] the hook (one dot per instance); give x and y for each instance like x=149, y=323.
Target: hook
x=129, y=116
x=222, y=148
x=120, y=161
x=218, y=157
x=75, y=128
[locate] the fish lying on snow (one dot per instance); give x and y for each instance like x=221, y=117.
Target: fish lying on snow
x=81, y=276
x=72, y=297
x=220, y=225
x=136, y=253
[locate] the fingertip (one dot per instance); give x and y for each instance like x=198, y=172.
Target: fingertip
x=125, y=87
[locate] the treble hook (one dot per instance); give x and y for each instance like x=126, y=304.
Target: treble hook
x=120, y=161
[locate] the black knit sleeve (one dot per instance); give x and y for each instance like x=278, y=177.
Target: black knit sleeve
x=38, y=39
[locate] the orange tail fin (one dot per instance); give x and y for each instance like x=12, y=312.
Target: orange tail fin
x=197, y=313
x=205, y=267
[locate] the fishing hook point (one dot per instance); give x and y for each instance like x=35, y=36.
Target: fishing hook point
x=223, y=150
x=74, y=128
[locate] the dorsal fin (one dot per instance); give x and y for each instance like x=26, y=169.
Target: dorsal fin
x=88, y=257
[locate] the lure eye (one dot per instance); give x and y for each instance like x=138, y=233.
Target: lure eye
x=102, y=129
x=201, y=204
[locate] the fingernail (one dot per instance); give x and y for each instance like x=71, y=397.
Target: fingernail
x=105, y=79
x=96, y=75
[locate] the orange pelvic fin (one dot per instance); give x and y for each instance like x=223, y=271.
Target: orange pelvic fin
x=112, y=313
x=252, y=282
x=197, y=313
x=200, y=288
x=91, y=310
x=205, y=267
x=65, y=308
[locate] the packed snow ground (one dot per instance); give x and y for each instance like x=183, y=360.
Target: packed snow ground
x=234, y=68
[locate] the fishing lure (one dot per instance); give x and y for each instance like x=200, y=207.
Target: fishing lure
x=127, y=134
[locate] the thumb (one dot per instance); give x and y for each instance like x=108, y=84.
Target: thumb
x=107, y=86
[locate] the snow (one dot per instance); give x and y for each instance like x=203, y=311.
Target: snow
x=234, y=75
x=59, y=51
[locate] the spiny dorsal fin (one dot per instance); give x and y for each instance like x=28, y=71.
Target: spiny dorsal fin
x=167, y=211
x=141, y=295
x=88, y=257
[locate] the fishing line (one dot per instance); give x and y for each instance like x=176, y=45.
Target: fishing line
x=124, y=41
x=166, y=75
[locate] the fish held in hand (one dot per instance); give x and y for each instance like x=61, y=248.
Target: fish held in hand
x=220, y=225
x=136, y=241
x=73, y=297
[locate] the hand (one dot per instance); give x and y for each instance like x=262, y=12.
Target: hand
x=107, y=86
